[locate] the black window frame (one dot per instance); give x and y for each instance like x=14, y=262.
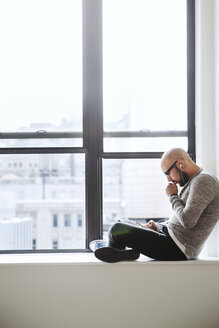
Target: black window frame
x=93, y=134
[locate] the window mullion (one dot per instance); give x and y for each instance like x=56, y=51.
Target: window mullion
x=92, y=115
x=191, y=76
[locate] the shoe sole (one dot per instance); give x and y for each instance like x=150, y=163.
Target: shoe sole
x=112, y=255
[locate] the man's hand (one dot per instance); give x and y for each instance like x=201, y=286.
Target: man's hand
x=171, y=189
x=151, y=225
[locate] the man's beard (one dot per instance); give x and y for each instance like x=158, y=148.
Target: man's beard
x=184, y=177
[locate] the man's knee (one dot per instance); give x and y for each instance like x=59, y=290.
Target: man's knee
x=118, y=229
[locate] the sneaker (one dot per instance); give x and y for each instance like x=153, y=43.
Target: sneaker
x=95, y=244
x=112, y=255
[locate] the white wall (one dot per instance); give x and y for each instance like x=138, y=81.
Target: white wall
x=100, y=295
x=205, y=84
x=207, y=98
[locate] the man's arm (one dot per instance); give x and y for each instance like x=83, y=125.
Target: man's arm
x=201, y=193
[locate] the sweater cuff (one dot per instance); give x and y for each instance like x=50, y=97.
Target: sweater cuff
x=172, y=197
x=160, y=227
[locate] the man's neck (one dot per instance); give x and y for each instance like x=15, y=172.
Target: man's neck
x=194, y=170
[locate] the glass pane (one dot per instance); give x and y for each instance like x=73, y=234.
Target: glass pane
x=41, y=65
x=144, y=65
x=134, y=188
x=42, y=201
x=144, y=144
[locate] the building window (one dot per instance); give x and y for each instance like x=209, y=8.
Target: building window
x=55, y=220
x=67, y=220
x=55, y=244
x=34, y=244
x=80, y=222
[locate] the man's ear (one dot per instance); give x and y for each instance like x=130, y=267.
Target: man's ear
x=181, y=164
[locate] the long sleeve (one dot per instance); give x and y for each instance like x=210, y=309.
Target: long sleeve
x=201, y=192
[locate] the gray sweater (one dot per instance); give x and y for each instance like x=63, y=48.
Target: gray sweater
x=195, y=213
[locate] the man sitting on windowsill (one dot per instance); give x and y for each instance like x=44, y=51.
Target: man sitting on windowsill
x=195, y=213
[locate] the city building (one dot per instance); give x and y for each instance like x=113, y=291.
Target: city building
x=16, y=234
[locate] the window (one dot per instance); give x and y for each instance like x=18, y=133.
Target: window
x=80, y=220
x=67, y=220
x=55, y=220
x=41, y=71
x=34, y=243
x=134, y=191
x=94, y=105
x=149, y=92
x=145, y=91
x=55, y=244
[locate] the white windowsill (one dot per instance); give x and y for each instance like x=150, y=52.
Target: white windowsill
x=84, y=258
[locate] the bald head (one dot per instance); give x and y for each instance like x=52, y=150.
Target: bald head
x=182, y=159
x=173, y=155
